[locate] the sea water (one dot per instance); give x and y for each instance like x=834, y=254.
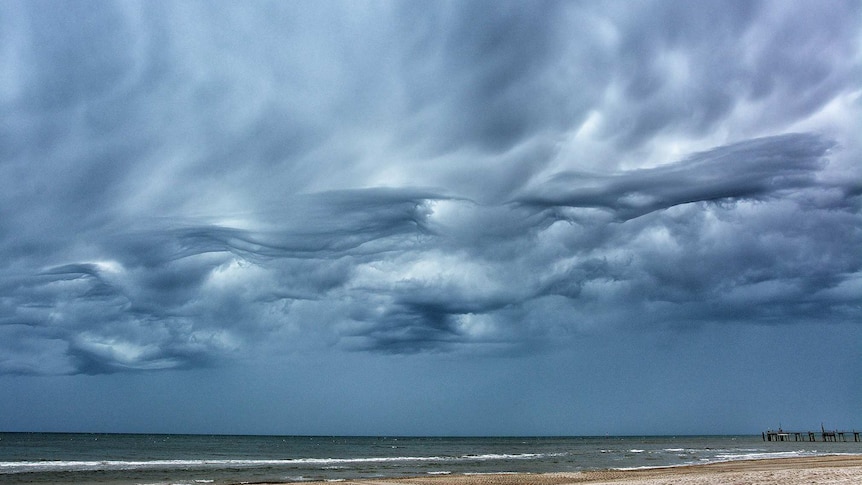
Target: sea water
x=197, y=459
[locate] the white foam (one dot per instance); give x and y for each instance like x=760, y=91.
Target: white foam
x=492, y=473
x=762, y=456
x=62, y=466
x=494, y=456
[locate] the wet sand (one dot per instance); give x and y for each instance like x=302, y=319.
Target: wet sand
x=786, y=471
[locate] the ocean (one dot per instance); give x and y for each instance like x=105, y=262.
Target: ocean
x=124, y=459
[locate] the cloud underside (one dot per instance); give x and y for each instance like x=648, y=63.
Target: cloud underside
x=182, y=184
x=737, y=234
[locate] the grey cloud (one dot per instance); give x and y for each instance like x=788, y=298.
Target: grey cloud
x=486, y=75
x=156, y=300
x=183, y=182
x=426, y=317
x=407, y=329
x=328, y=224
x=687, y=70
x=753, y=169
x=181, y=295
x=69, y=65
x=96, y=317
x=662, y=255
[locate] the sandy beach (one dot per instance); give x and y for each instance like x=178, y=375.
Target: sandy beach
x=787, y=471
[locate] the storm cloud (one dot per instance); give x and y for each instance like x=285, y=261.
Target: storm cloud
x=181, y=183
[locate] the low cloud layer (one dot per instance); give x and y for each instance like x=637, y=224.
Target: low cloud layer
x=180, y=183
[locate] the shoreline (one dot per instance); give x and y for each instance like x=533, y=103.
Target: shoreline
x=839, y=469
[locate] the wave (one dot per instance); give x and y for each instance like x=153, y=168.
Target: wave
x=9, y=467
x=765, y=455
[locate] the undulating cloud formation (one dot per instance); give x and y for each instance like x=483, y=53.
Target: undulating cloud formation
x=183, y=182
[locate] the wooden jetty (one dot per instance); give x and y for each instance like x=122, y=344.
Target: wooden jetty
x=824, y=435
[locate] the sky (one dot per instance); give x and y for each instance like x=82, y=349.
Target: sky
x=430, y=218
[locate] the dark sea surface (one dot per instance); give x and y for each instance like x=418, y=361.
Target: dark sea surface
x=197, y=459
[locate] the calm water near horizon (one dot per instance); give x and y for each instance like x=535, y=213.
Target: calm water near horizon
x=194, y=459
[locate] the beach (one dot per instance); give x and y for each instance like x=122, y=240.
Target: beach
x=843, y=469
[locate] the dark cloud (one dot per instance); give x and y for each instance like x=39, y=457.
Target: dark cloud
x=485, y=69
x=180, y=183
x=688, y=70
x=754, y=169
x=708, y=239
x=164, y=297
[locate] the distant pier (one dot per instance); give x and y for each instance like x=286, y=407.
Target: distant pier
x=823, y=435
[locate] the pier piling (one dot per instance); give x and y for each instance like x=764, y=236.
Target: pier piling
x=825, y=436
